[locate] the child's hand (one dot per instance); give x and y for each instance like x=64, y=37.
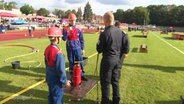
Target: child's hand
x=68, y=83
x=83, y=52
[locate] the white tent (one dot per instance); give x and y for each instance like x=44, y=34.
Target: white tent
x=52, y=15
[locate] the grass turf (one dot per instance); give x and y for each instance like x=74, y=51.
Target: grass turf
x=155, y=77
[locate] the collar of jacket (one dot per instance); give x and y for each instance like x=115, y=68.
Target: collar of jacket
x=71, y=25
x=108, y=26
x=55, y=45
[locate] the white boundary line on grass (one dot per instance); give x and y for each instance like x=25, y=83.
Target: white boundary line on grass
x=170, y=44
x=30, y=87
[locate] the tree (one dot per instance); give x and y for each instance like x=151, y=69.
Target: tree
x=166, y=15
x=67, y=13
x=26, y=9
x=129, y=16
x=142, y=15
x=118, y=15
x=74, y=11
x=59, y=13
x=79, y=14
x=176, y=16
x=139, y=15
x=42, y=12
x=180, y=15
x=1, y=4
x=158, y=14
x=88, y=14
x=12, y=5
x=8, y=5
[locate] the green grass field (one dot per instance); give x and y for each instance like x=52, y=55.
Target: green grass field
x=156, y=77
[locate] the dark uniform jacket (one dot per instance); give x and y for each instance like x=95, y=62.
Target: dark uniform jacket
x=113, y=43
x=125, y=44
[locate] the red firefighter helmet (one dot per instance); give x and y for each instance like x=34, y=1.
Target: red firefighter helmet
x=72, y=16
x=54, y=32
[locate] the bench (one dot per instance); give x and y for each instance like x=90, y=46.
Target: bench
x=178, y=36
x=143, y=48
x=145, y=33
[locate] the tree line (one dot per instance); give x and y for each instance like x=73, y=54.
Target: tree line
x=161, y=15
x=28, y=9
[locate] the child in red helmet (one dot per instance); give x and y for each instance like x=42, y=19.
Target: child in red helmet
x=55, y=68
x=74, y=44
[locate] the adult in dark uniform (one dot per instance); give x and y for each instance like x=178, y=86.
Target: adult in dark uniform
x=125, y=43
x=110, y=44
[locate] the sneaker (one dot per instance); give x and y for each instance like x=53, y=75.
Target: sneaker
x=84, y=79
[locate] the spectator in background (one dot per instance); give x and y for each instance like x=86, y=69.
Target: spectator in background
x=30, y=30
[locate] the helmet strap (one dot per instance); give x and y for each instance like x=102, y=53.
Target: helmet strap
x=58, y=40
x=51, y=38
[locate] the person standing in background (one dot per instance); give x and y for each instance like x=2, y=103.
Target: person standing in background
x=30, y=30
x=125, y=43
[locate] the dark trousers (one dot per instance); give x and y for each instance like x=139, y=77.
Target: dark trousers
x=75, y=55
x=30, y=33
x=182, y=99
x=109, y=74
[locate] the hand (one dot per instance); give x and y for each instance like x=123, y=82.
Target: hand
x=83, y=52
x=68, y=83
x=125, y=55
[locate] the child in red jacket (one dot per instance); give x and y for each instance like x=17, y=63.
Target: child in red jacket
x=55, y=67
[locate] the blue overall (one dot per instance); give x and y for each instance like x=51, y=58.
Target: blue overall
x=55, y=73
x=74, y=46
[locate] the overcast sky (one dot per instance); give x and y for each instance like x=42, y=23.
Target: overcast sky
x=98, y=6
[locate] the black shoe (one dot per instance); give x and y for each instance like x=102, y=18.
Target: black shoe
x=182, y=99
x=84, y=79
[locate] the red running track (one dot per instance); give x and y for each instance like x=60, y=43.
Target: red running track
x=15, y=35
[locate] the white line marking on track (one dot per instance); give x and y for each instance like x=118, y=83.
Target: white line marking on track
x=170, y=44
